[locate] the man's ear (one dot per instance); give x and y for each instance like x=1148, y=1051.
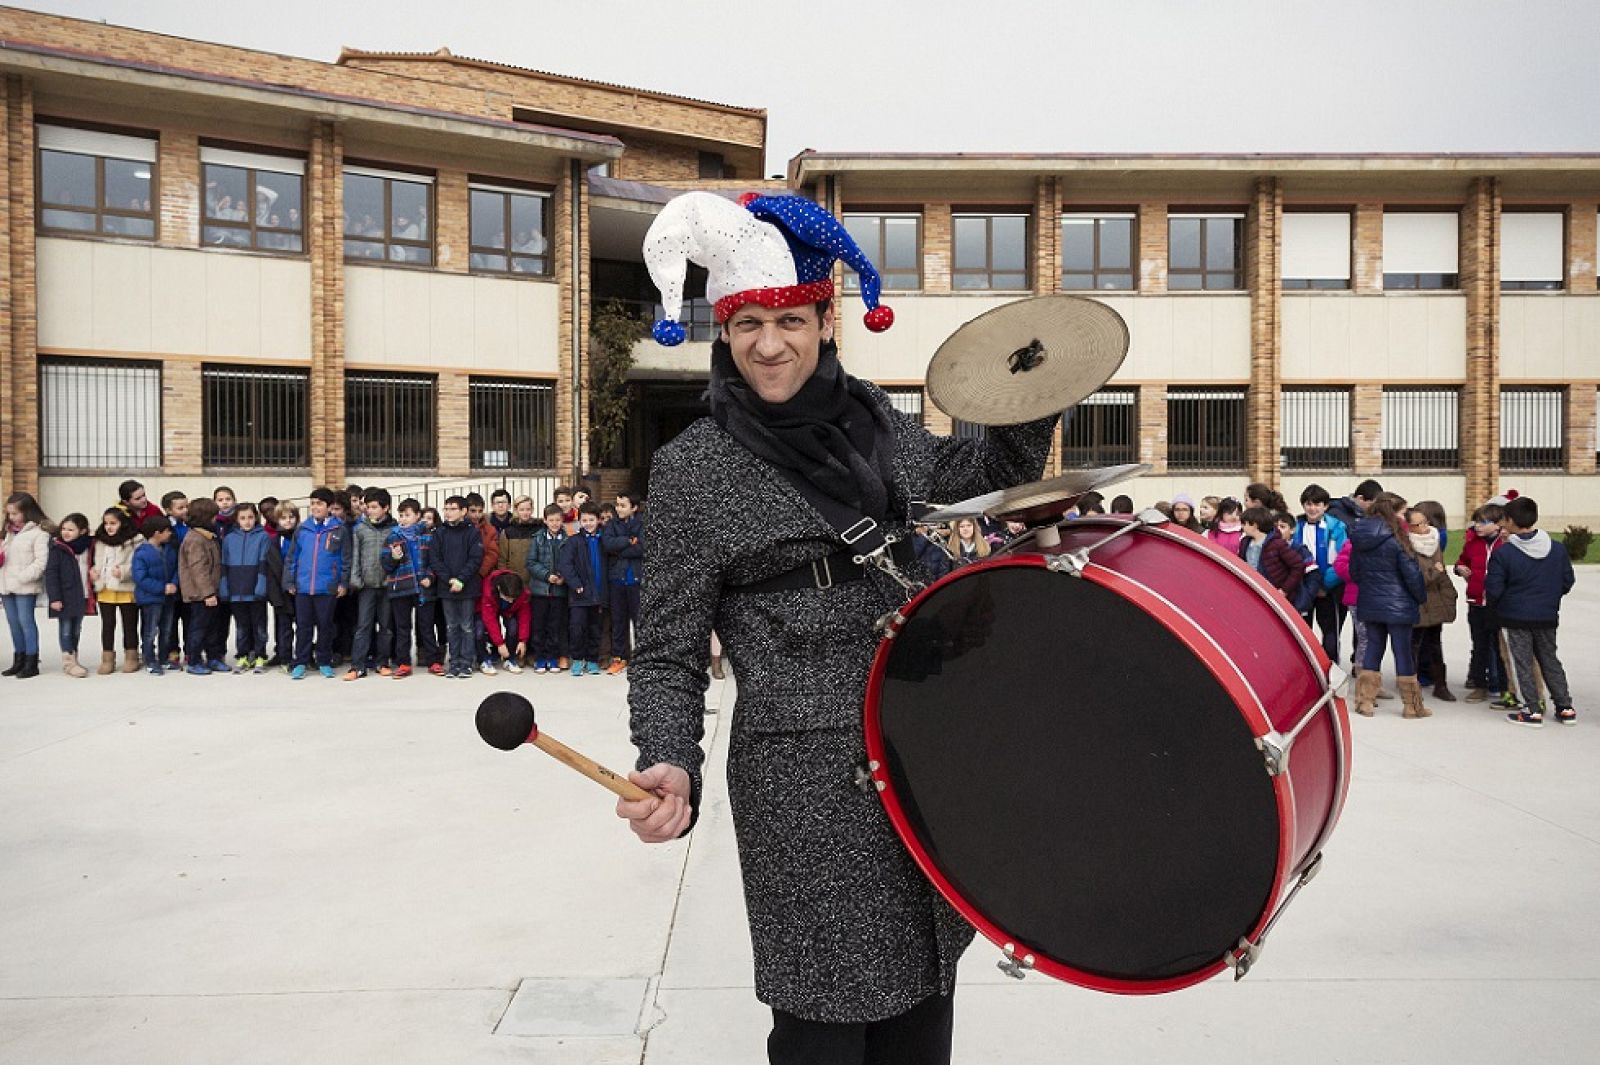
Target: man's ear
x=827, y=323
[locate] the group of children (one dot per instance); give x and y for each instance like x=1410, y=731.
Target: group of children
x=474, y=589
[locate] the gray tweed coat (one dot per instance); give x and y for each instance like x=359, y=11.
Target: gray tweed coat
x=844, y=926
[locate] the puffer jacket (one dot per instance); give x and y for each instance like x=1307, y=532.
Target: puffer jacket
x=457, y=555
x=1392, y=588
x=113, y=565
x=1527, y=578
x=64, y=582
x=1341, y=566
x=153, y=569
x=404, y=575
x=1331, y=536
x=623, y=543
x=366, y=559
x=244, y=565
x=544, y=554
x=27, y=552
x=200, y=566
x=1476, y=551
x=318, y=559
x=515, y=540
x=1280, y=563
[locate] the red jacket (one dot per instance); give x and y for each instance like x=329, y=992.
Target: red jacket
x=491, y=548
x=491, y=609
x=1475, y=554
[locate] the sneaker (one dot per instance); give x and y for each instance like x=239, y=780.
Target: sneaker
x=577, y=667
x=541, y=666
x=198, y=670
x=617, y=666
x=1567, y=716
x=326, y=671
x=487, y=669
x=217, y=665
x=402, y=672
x=1523, y=717
x=437, y=669
x=562, y=663
x=591, y=668
x=1504, y=699
x=355, y=674
x=512, y=667
x=385, y=671
x=154, y=669
x=260, y=666
x=275, y=661
x=297, y=673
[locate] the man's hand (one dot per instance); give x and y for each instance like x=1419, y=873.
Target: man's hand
x=661, y=819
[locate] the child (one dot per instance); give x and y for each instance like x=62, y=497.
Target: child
x=967, y=545
x=1485, y=670
x=507, y=619
x=176, y=507
x=244, y=587
x=582, y=566
x=23, y=558
x=1391, y=591
x=317, y=573
x=1438, y=609
x=491, y=562
x=345, y=610
x=518, y=537
x=1305, y=597
x=1183, y=513
x=66, y=587
x=115, y=542
x=1206, y=512
x=548, y=592
x=286, y=518
x=373, y=635
x=500, y=504
x=457, y=554
x=1324, y=535
x=407, y=562
x=1268, y=553
x=1526, y=581
x=226, y=503
x=431, y=520
x=1226, y=530
x=155, y=588
x=624, y=545
x=200, y=578
x=267, y=508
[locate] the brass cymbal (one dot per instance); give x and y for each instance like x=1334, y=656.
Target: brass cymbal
x=1027, y=360
x=1039, y=500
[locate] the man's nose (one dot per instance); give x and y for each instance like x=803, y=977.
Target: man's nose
x=769, y=342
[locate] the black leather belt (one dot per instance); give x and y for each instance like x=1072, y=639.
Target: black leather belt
x=840, y=567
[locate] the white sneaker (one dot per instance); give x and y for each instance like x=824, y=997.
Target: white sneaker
x=487, y=669
x=512, y=667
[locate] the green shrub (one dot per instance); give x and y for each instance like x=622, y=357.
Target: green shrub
x=1577, y=540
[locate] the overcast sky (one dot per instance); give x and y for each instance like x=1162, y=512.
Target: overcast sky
x=1008, y=75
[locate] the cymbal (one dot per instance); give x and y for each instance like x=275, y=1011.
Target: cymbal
x=1027, y=360
x=1038, y=501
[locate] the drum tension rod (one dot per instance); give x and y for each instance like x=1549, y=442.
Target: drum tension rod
x=1075, y=562
x=1248, y=953
x=1275, y=746
x=1013, y=966
x=863, y=777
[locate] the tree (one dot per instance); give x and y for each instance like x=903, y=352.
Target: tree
x=614, y=329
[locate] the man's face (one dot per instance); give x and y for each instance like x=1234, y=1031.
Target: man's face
x=138, y=500
x=776, y=351
x=502, y=506
x=590, y=522
x=624, y=508
x=1315, y=511
x=452, y=512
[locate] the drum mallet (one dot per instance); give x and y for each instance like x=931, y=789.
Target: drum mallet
x=505, y=720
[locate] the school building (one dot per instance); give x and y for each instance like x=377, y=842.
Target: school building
x=219, y=265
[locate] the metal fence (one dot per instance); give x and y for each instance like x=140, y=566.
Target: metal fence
x=905, y=399
x=1205, y=428
x=513, y=423
x=389, y=421
x=1315, y=429
x=1421, y=428
x=99, y=414
x=1103, y=430
x=254, y=418
x=1532, y=424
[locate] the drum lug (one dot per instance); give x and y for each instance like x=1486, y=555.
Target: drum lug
x=866, y=780
x=888, y=626
x=1074, y=563
x=1013, y=966
x=1275, y=746
x=1247, y=953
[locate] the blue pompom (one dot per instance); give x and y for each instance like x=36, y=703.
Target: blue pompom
x=668, y=334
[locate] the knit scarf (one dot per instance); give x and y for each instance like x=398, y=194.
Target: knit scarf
x=831, y=433
x=1425, y=544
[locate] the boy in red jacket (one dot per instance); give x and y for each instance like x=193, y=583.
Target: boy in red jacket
x=507, y=619
x=1486, y=673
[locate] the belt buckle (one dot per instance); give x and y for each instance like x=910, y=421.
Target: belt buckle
x=822, y=578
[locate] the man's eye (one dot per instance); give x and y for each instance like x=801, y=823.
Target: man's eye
x=792, y=321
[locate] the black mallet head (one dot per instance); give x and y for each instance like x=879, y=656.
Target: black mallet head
x=505, y=720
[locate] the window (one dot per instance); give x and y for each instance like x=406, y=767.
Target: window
x=1421, y=250
x=907, y=399
x=389, y=421
x=894, y=244
x=253, y=201
x=1316, y=429
x=99, y=414
x=1420, y=428
x=513, y=423
x=254, y=418
x=1103, y=430
x=1316, y=250
x=1097, y=251
x=712, y=166
x=1204, y=251
x=1205, y=428
x=387, y=216
x=510, y=230
x=1532, y=424
x=991, y=251
x=1532, y=250
x=99, y=183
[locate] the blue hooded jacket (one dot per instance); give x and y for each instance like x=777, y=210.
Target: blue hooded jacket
x=1331, y=535
x=244, y=565
x=318, y=560
x=581, y=564
x=1527, y=577
x=624, y=546
x=1391, y=588
x=153, y=569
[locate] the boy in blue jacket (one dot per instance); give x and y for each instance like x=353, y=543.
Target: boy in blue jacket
x=155, y=590
x=407, y=567
x=582, y=566
x=1323, y=535
x=316, y=571
x=1527, y=578
x=244, y=586
x=623, y=538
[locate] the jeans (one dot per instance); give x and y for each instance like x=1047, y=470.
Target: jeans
x=1399, y=636
x=1485, y=669
x=69, y=629
x=313, y=618
x=458, y=615
x=156, y=631
x=921, y=1035
x=401, y=609
x=374, y=639
x=249, y=628
x=24, y=625
x=624, y=613
x=549, y=627
x=583, y=631
x=1328, y=612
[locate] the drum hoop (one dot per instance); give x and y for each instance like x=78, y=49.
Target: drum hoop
x=1117, y=584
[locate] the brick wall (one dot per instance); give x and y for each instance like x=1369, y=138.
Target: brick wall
x=454, y=227
x=1367, y=257
x=7, y=375
x=1153, y=248
x=1263, y=247
x=181, y=429
x=1153, y=426
x=936, y=247
x=1366, y=429
x=1581, y=252
x=19, y=467
x=1579, y=431
x=1480, y=398
x=454, y=438
x=652, y=161
x=572, y=420
x=178, y=171
x=325, y=225
x=1047, y=236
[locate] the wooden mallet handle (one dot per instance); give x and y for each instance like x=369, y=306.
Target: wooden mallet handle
x=505, y=720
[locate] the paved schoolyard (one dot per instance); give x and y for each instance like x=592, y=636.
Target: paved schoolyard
x=250, y=869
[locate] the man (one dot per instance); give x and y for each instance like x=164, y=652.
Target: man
x=135, y=503
x=854, y=951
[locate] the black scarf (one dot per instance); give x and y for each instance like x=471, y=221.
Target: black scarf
x=832, y=433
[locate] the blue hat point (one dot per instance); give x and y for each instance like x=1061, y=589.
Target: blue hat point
x=667, y=333
x=816, y=239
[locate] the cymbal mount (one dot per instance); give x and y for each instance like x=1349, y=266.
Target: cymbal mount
x=1027, y=357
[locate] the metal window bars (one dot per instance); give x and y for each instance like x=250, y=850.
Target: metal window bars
x=1315, y=429
x=1421, y=428
x=1532, y=428
x=99, y=414
x=512, y=423
x=1205, y=428
x=389, y=421
x=255, y=418
x=1103, y=430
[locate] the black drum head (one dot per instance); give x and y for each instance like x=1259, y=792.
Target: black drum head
x=1077, y=774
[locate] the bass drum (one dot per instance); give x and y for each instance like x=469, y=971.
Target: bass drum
x=1116, y=757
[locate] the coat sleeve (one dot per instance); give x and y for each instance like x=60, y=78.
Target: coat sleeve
x=33, y=569
x=52, y=579
x=1003, y=457
x=1411, y=576
x=524, y=612
x=487, y=612
x=1341, y=563
x=1568, y=578
x=289, y=556
x=1294, y=568
x=1494, y=582
x=475, y=559
x=344, y=558
x=1337, y=538
x=538, y=568
x=488, y=549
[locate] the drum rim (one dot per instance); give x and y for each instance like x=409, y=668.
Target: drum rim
x=1212, y=656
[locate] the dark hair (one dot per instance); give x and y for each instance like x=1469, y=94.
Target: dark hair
x=125, y=528
x=169, y=498
x=630, y=495
x=1489, y=512
x=125, y=490
x=554, y=509
x=473, y=499
x=1386, y=508
x=325, y=494
x=1270, y=497
x=590, y=508
x=608, y=508
x=1229, y=505
x=497, y=493
x=432, y=510
x=380, y=496
x=1260, y=517
x=1122, y=505
x=268, y=507
x=154, y=524
x=352, y=490
x=1523, y=512
x=1435, y=514
x=79, y=520
x=202, y=512
x=285, y=509
x=410, y=504
x=562, y=490
x=1368, y=489
x=224, y=488
x=1091, y=503
x=507, y=585
x=247, y=506
x=1282, y=516
x=29, y=506
x=1315, y=493
x=457, y=500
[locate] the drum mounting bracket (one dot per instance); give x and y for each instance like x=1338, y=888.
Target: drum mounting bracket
x=1275, y=746
x=1013, y=965
x=1244, y=957
x=1073, y=563
x=865, y=780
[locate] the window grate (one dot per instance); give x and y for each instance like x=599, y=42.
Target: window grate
x=1421, y=428
x=1103, y=430
x=1205, y=429
x=255, y=418
x=1532, y=421
x=512, y=424
x=99, y=414
x=1316, y=429
x=389, y=421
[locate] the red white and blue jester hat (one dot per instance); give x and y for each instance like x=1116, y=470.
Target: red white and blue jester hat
x=777, y=251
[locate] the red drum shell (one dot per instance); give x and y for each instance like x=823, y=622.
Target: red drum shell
x=1211, y=608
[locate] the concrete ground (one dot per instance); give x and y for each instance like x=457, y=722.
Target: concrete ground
x=249, y=869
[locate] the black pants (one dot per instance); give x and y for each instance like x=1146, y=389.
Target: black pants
x=1328, y=612
x=283, y=630
x=402, y=608
x=313, y=621
x=920, y=1036
x=624, y=614
x=549, y=627
x=204, y=631
x=108, y=626
x=249, y=628
x=583, y=631
x=345, y=614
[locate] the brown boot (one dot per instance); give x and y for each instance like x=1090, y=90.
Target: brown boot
x=108, y=663
x=1411, y=697
x=130, y=661
x=1367, y=683
x=716, y=668
x=1441, y=690
x=69, y=665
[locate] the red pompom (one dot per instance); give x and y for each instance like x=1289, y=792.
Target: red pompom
x=747, y=198
x=1511, y=493
x=879, y=318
